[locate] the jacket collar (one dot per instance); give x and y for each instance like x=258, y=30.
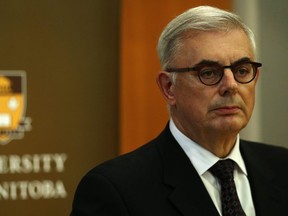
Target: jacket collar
x=189, y=194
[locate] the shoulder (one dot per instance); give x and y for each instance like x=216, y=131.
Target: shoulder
x=118, y=182
x=144, y=161
x=263, y=147
x=264, y=152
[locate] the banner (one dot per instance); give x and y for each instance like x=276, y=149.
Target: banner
x=58, y=100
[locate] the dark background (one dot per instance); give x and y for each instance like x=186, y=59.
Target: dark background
x=69, y=50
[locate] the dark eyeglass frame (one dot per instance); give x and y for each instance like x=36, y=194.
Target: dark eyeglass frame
x=197, y=68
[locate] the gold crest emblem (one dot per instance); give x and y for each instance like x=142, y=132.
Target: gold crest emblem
x=13, y=122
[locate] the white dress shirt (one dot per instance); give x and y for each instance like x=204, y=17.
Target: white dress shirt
x=203, y=159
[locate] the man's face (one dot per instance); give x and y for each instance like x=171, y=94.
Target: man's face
x=221, y=109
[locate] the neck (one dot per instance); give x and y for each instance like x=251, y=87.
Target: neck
x=217, y=142
x=220, y=148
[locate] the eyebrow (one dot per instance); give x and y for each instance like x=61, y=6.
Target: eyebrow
x=206, y=62
x=242, y=60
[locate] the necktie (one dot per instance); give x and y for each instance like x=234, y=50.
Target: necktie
x=223, y=171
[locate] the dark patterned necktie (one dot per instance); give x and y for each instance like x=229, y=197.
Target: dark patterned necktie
x=223, y=171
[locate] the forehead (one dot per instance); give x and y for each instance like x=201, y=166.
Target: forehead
x=222, y=46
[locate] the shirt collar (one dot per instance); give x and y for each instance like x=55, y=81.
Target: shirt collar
x=201, y=158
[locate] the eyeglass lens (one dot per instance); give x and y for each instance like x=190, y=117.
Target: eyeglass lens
x=212, y=74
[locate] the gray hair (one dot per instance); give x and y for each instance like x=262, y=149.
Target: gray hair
x=202, y=18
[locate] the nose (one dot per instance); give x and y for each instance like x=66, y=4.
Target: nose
x=228, y=84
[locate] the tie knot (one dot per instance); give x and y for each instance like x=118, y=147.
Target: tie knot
x=223, y=169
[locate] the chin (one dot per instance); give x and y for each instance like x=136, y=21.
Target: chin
x=230, y=125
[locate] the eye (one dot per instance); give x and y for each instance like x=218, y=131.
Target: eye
x=243, y=70
x=209, y=73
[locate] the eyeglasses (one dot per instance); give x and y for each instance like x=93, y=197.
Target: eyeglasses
x=211, y=73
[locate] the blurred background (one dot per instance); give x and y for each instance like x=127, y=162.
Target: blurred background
x=91, y=91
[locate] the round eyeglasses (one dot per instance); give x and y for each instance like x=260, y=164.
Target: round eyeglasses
x=212, y=73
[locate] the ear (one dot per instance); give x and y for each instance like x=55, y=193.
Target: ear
x=166, y=87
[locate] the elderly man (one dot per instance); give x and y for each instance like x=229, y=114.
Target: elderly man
x=198, y=165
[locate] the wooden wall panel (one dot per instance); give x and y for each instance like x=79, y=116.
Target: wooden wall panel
x=142, y=110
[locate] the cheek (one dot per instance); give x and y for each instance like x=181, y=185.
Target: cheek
x=192, y=96
x=193, y=101
x=251, y=104
x=248, y=97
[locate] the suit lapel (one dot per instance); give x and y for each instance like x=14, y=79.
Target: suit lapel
x=266, y=195
x=189, y=194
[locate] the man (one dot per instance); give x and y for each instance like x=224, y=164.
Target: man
x=208, y=81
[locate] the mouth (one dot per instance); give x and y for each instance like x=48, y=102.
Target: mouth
x=227, y=110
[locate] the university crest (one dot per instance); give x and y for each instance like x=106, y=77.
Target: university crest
x=13, y=122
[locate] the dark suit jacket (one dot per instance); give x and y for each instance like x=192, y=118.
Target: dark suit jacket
x=158, y=179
